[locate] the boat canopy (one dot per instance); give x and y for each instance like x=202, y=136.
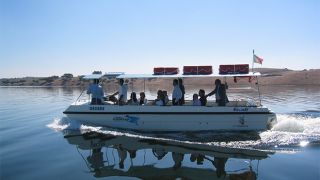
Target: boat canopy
x=93, y=76
x=108, y=75
x=146, y=76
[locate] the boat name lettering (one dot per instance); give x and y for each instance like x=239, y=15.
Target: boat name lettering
x=130, y=119
x=96, y=108
x=240, y=109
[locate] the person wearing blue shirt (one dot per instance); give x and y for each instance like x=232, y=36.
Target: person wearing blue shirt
x=96, y=92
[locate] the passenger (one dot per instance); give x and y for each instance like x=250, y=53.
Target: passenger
x=220, y=163
x=122, y=154
x=160, y=99
x=195, y=100
x=203, y=97
x=177, y=159
x=220, y=92
x=166, y=98
x=122, y=93
x=96, y=159
x=176, y=94
x=181, y=86
x=96, y=92
x=198, y=157
x=142, y=99
x=133, y=99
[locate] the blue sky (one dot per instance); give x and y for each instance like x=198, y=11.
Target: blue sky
x=43, y=38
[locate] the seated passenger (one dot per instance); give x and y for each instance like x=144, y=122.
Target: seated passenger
x=160, y=99
x=195, y=100
x=142, y=99
x=133, y=99
x=96, y=92
x=166, y=98
x=203, y=97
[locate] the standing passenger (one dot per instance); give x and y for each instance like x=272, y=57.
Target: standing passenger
x=176, y=94
x=181, y=86
x=97, y=93
x=122, y=93
x=220, y=92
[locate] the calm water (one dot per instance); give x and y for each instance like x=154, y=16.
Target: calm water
x=38, y=142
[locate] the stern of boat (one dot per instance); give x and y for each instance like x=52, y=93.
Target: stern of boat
x=272, y=120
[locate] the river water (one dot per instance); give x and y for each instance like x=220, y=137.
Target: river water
x=38, y=142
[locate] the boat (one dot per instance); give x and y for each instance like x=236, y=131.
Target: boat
x=191, y=160
x=239, y=115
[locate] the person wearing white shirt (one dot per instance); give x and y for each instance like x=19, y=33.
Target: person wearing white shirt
x=142, y=99
x=96, y=92
x=176, y=94
x=195, y=100
x=123, y=90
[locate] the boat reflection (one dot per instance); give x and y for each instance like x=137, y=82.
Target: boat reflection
x=151, y=158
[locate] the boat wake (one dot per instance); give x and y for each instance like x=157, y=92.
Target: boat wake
x=292, y=131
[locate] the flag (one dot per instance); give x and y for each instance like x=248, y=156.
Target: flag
x=257, y=59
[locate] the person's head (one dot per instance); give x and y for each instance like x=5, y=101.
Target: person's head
x=142, y=95
x=162, y=96
x=159, y=93
x=121, y=81
x=202, y=93
x=180, y=81
x=165, y=93
x=175, y=82
x=193, y=158
x=133, y=96
x=195, y=97
x=217, y=82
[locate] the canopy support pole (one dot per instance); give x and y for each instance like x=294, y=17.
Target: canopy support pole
x=259, y=91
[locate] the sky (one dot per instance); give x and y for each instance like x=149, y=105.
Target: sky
x=53, y=37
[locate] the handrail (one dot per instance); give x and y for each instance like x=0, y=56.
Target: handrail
x=79, y=96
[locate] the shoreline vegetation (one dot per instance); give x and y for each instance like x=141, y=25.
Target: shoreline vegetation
x=270, y=76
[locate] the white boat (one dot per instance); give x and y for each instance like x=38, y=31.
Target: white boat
x=236, y=115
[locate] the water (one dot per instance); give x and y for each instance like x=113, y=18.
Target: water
x=38, y=142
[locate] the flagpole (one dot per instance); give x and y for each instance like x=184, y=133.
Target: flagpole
x=252, y=60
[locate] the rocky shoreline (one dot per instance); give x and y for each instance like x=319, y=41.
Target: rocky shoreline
x=270, y=76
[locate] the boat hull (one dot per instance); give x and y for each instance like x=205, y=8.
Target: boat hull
x=173, y=118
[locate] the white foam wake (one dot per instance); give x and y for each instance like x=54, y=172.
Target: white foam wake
x=63, y=124
x=297, y=124
x=290, y=131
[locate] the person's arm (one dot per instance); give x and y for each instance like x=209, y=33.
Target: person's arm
x=212, y=92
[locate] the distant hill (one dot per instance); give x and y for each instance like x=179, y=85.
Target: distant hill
x=270, y=76
x=289, y=77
